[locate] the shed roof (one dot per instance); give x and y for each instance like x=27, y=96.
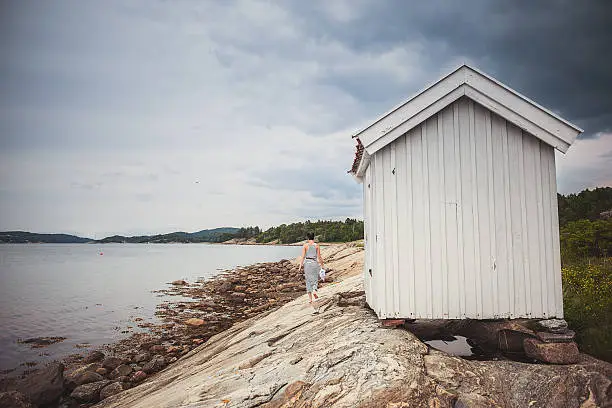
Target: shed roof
x=478, y=86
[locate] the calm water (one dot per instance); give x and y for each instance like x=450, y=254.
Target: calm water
x=74, y=292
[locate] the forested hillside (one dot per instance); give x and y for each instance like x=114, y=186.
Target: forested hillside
x=586, y=248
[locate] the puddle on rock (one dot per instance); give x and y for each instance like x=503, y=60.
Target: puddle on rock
x=460, y=346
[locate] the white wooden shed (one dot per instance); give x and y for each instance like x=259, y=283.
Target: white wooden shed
x=460, y=203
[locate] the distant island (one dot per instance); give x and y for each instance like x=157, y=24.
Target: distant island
x=326, y=231
x=22, y=237
x=210, y=235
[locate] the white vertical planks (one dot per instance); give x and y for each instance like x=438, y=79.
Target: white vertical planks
x=461, y=221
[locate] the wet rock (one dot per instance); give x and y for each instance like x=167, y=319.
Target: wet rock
x=110, y=363
x=553, y=353
x=44, y=386
x=102, y=371
x=157, y=349
x=111, y=389
x=142, y=357
x=14, y=399
x=155, y=365
x=93, y=357
x=38, y=342
x=194, y=322
x=89, y=392
x=138, y=376
x=122, y=370
x=179, y=283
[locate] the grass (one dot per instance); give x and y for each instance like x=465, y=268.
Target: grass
x=587, y=303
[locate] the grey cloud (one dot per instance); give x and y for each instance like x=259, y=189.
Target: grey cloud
x=557, y=53
x=237, y=85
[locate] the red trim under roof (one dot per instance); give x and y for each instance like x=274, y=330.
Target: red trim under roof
x=357, y=160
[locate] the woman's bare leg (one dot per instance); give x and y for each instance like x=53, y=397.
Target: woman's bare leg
x=309, y=297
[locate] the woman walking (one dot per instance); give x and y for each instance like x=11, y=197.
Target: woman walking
x=312, y=262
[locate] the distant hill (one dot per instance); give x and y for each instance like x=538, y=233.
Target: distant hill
x=22, y=237
x=211, y=235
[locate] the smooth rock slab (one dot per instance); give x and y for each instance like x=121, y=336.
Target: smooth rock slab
x=553, y=353
x=111, y=389
x=89, y=392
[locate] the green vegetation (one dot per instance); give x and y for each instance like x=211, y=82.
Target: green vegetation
x=325, y=231
x=586, y=247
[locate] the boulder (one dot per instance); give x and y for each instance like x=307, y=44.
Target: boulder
x=71, y=379
x=173, y=349
x=110, y=363
x=86, y=377
x=554, y=325
x=179, y=283
x=14, y=399
x=155, y=365
x=238, y=295
x=138, y=376
x=194, y=322
x=93, y=357
x=225, y=286
x=122, y=370
x=89, y=392
x=111, y=389
x=553, y=353
x=45, y=386
x=142, y=357
x=102, y=371
x=157, y=349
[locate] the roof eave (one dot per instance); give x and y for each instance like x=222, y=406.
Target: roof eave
x=484, y=90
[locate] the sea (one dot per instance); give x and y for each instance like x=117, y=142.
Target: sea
x=96, y=294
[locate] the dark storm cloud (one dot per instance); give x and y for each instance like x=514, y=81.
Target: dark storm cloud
x=555, y=52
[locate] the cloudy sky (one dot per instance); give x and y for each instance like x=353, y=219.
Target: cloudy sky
x=153, y=116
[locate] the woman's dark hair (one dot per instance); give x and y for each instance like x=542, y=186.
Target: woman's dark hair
x=310, y=235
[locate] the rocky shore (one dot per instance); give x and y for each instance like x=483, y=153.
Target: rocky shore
x=248, y=338
x=202, y=310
